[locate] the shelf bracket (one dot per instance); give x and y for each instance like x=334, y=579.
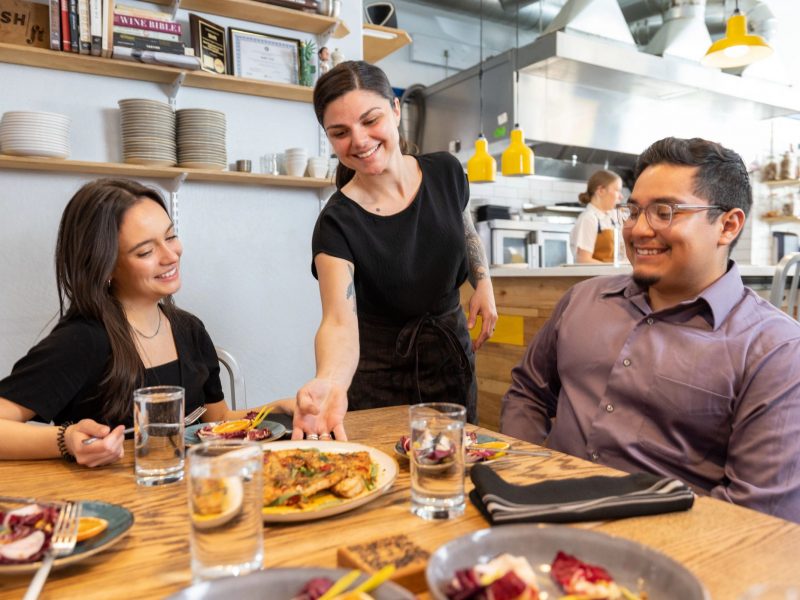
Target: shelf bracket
x=175, y=87
x=174, y=186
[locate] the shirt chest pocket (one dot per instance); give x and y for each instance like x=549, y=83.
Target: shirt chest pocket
x=684, y=423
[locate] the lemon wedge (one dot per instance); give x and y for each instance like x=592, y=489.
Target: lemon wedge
x=216, y=501
x=231, y=426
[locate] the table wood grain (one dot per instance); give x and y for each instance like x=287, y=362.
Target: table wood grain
x=729, y=548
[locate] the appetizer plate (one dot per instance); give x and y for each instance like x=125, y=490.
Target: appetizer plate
x=120, y=520
x=481, y=439
x=190, y=433
x=279, y=584
x=387, y=472
x=626, y=561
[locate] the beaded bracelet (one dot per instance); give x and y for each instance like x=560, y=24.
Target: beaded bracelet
x=62, y=445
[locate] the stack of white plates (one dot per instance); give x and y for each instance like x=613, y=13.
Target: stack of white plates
x=201, y=139
x=27, y=133
x=148, y=132
x=296, y=160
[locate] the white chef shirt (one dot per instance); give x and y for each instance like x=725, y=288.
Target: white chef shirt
x=584, y=233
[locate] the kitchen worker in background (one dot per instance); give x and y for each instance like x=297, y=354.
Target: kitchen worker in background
x=676, y=369
x=391, y=249
x=592, y=238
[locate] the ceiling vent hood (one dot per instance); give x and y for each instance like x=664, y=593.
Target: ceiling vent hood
x=684, y=33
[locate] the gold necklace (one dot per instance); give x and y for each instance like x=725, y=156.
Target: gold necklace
x=158, y=328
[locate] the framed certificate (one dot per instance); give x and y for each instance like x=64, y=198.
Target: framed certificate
x=262, y=56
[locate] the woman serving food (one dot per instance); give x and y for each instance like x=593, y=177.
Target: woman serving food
x=390, y=250
x=117, y=267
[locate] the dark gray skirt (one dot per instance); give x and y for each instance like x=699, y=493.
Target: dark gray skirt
x=429, y=359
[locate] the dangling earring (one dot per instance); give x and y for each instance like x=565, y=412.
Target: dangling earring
x=108, y=284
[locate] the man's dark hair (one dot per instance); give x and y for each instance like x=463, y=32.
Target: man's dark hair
x=721, y=176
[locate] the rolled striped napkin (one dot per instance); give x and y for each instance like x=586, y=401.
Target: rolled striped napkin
x=571, y=500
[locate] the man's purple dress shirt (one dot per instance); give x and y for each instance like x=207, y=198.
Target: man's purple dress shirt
x=707, y=391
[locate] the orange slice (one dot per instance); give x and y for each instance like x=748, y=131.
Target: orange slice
x=231, y=426
x=90, y=526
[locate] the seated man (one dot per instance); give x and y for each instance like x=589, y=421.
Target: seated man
x=679, y=369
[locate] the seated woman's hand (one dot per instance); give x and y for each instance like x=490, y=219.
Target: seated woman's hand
x=107, y=449
x=320, y=409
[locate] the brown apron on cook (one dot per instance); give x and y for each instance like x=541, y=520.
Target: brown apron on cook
x=429, y=359
x=604, y=245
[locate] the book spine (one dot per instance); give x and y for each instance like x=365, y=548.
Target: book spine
x=131, y=11
x=74, y=31
x=65, y=41
x=85, y=37
x=96, y=26
x=55, y=25
x=146, y=33
x=107, y=23
x=141, y=43
x=161, y=26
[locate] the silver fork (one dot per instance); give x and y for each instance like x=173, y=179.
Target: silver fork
x=65, y=534
x=187, y=420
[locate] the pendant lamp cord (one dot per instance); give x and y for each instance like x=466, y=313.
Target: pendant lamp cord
x=516, y=70
x=480, y=76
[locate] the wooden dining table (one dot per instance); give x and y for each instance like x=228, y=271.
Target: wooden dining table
x=727, y=547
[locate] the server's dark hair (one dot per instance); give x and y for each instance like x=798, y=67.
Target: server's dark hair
x=86, y=255
x=721, y=176
x=346, y=77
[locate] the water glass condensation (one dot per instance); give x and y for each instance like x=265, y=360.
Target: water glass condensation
x=437, y=482
x=158, y=434
x=225, y=499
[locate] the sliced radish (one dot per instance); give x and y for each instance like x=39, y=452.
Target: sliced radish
x=23, y=548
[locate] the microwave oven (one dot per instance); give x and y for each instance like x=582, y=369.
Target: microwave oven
x=535, y=243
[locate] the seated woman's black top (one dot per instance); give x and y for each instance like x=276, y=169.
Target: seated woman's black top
x=59, y=377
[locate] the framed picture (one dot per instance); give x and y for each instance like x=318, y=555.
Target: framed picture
x=261, y=56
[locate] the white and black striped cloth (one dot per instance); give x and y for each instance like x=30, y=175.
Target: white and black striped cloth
x=571, y=500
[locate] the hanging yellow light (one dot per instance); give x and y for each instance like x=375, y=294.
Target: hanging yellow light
x=481, y=167
x=517, y=159
x=737, y=48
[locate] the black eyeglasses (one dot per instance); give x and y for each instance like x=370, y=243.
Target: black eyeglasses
x=658, y=214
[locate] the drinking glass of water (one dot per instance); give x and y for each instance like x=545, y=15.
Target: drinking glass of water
x=158, y=434
x=437, y=460
x=225, y=499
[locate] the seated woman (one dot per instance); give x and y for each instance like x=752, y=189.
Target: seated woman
x=117, y=267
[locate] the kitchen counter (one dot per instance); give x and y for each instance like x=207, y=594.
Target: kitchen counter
x=591, y=270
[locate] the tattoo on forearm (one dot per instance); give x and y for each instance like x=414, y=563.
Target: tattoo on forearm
x=478, y=265
x=350, y=292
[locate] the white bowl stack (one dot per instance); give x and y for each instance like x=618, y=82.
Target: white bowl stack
x=148, y=132
x=29, y=133
x=318, y=167
x=201, y=139
x=296, y=160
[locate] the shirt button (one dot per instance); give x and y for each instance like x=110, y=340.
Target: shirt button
x=595, y=456
x=627, y=362
x=609, y=408
x=650, y=320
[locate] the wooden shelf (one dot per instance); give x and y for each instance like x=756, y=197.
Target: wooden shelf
x=106, y=67
x=266, y=14
x=379, y=42
x=791, y=219
x=783, y=183
x=30, y=163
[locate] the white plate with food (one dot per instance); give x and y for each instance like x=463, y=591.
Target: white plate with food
x=556, y=558
x=478, y=448
x=102, y=525
x=282, y=584
x=306, y=480
x=266, y=431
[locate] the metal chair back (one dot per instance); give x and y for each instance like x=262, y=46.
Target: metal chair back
x=237, y=390
x=787, y=272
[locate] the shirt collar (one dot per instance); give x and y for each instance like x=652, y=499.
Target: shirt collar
x=720, y=297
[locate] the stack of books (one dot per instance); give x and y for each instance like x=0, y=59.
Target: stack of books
x=78, y=26
x=143, y=29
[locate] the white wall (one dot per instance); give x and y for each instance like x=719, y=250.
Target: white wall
x=246, y=266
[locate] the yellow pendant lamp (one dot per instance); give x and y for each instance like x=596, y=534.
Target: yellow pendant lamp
x=737, y=48
x=517, y=159
x=481, y=167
